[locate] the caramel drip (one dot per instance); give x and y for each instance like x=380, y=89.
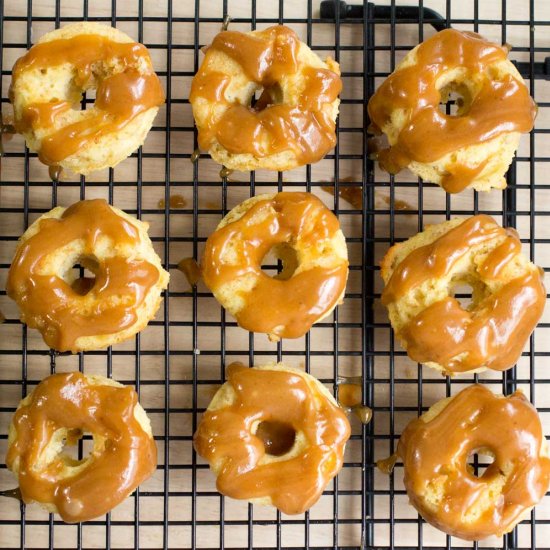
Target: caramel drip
x=438, y=258
x=68, y=401
x=349, y=395
x=459, y=176
x=287, y=308
x=191, y=269
x=225, y=437
x=494, y=332
x=501, y=106
x=476, y=420
x=267, y=128
x=119, y=98
x=48, y=302
x=350, y=193
x=175, y=201
x=386, y=465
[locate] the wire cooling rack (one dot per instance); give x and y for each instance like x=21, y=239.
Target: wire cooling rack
x=178, y=362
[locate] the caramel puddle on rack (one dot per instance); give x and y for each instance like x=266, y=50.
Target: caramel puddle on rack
x=176, y=201
x=191, y=269
x=350, y=394
x=398, y=204
x=350, y=193
x=386, y=465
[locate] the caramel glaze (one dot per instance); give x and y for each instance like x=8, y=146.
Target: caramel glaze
x=494, y=332
x=60, y=312
x=267, y=129
x=67, y=400
x=349, y=395
x=438, y=450
x=119, y=98
x=501, y=106
x=287, y=308
x=225, y=437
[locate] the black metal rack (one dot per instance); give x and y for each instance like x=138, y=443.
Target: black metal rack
x=176, y=370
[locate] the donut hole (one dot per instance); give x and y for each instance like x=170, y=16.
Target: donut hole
x=463, y=293
x=478, y=461
x=84, y=279
x=278, y=437
x=281, y=258
x=456, y=99
x=468, y=292
x=74, y=446
x=266, y=96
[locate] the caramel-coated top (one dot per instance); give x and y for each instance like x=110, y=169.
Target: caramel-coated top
x=286, y=308
x=225, y=438
x=502, y=105
x=268, y=128
x=69, y=401
x=119, y=98
x=437, y=452
x=494, y=332
x=60, y=312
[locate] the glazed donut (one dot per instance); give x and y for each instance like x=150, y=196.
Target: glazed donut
x=305, y=235
x=292, y=123
x=78, y=314
x=47, y=87
x=472, y=148
x=445, y=490
x=59, y=411
x=273, y=435
x=508, y=295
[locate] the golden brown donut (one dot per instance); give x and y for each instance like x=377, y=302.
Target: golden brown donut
x=47, y=87
x=305, y=235
x=293, y=121
x=273, y=435
x=435, y=449
x=77, y=314
x=57, y=412
x=471, y=148
x=508, y=295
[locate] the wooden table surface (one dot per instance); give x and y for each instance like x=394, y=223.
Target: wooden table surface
x=189, y=326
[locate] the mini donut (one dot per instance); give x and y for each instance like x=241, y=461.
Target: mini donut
x=442, y=486
x=273, y=435
x=82, y=313
x=293, y=121
x=60, y=410
x=305, y=235
x=472, y=148
x=47, y=87
x=508, y=295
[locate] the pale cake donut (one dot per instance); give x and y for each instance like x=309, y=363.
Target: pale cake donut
x=59, y=411
x=305, y=235
x=293, y=122
x=47, y=87
x=471, y=148
x=508, y=295
x=443, y=487
x=273, y=435
x=78, y=314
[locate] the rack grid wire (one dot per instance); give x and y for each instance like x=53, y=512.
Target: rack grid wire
x=178, y=362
